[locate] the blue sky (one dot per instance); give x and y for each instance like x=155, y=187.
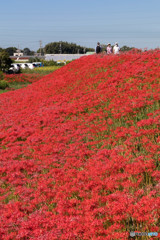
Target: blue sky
x=135, y=23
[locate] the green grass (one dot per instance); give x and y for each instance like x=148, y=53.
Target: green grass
x=3, y=91
x=15, y=86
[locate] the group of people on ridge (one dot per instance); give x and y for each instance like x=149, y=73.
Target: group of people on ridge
x=108, y=49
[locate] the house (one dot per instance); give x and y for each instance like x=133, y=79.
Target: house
x=18, y=53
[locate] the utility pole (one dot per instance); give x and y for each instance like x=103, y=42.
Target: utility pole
x=60, y=48
x=40, y=43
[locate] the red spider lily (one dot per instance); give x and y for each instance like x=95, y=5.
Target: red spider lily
x=80, y=151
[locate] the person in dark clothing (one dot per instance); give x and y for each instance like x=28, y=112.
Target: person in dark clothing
x=98, y=48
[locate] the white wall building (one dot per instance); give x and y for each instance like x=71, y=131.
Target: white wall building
x=18, y=53
x=63, y=57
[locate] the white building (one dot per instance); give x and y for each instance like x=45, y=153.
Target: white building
x=63, y=57
x=18, y=53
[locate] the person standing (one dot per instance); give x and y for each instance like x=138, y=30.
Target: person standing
x=109, y=49
x=116, y=48
x=98, y=48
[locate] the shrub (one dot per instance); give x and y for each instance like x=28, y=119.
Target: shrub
x=34, y=59
x=3, y=84
x=5, y=61
x=49, y=63
x=1, y=75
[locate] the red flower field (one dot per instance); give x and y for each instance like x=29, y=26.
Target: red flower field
x=80, y=151
x=22, y=77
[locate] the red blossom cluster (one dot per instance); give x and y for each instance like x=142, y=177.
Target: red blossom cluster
x=80, y=151
x=22, y=77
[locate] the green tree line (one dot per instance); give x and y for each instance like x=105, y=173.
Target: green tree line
x=58, y=47
x=65, y=48
x=53, y=47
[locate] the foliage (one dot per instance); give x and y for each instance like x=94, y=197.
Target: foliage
x=27, y=51
x=35, y=59
x=80, y=151
x=41, y=50
x=126, y=48
x=65, y=48
x=103, y=46
x=3, y=84
x=11, y=50
x=1, y=75
x=49, y=63
x=5, y=61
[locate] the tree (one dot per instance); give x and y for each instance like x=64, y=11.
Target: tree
x=65, y=47
x=5, y=61
x=126, y=48
x=41, y=50
x=11, y=50
x=27, y=52
x=103, y=46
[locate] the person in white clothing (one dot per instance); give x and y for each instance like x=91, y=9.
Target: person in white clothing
x=116, y=48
